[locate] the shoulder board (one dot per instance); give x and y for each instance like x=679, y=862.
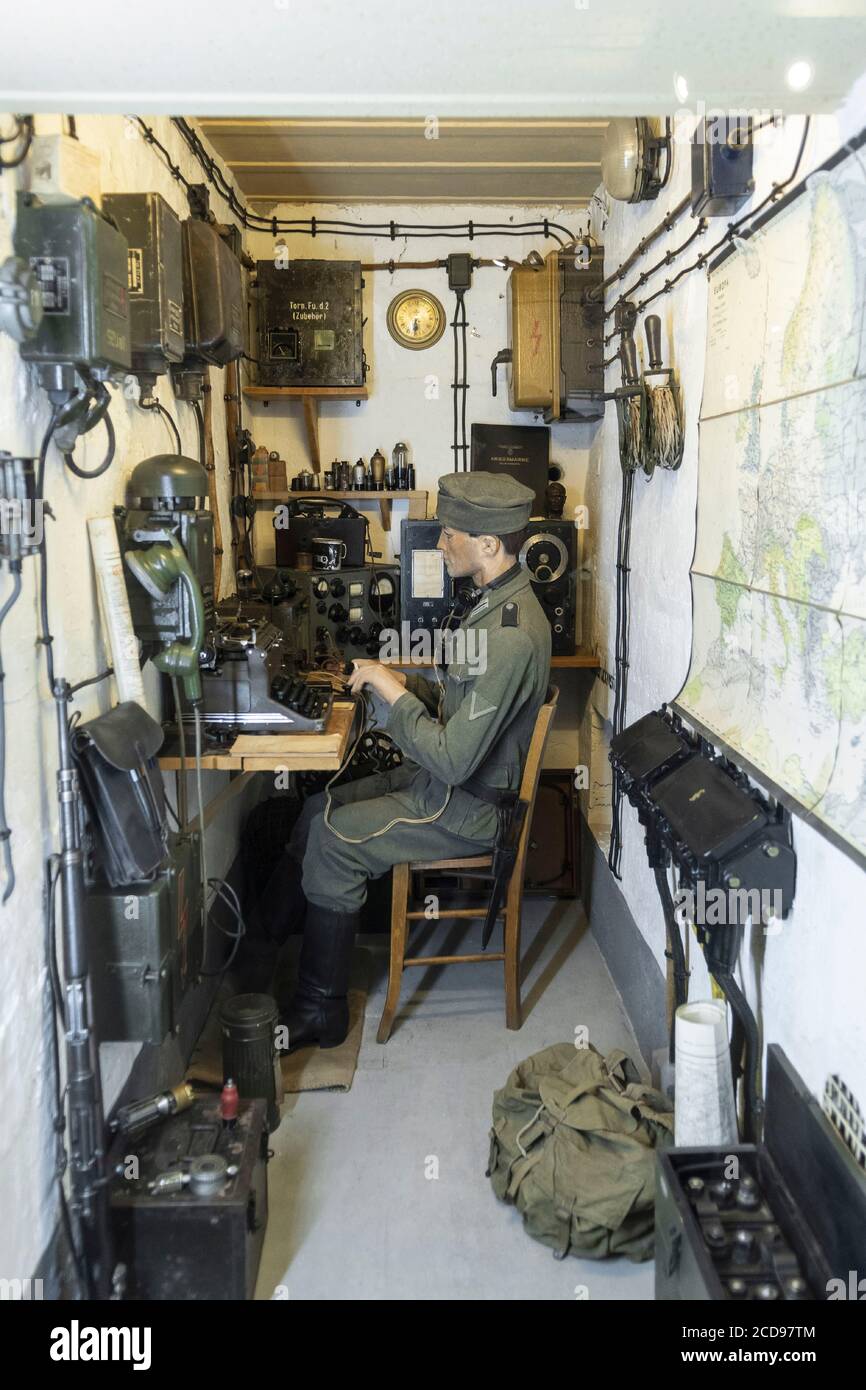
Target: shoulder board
x=510, y=614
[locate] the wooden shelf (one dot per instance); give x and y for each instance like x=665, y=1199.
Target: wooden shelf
x=417, y=500
x=321, y=393
x=310, y=396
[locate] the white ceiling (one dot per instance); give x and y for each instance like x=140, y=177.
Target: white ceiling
x=374, y=58
x=281, y=160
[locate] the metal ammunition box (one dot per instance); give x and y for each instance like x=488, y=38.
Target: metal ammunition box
x=145, y=942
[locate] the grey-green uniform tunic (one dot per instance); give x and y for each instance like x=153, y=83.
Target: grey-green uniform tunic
x=488, y=711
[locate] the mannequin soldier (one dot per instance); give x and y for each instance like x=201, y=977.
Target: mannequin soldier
x=473, y=731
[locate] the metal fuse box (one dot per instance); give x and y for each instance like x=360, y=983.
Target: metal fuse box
x=309, y=319
x=79, y=260
x=144, y=941
x=155, y=279
x=722, y=164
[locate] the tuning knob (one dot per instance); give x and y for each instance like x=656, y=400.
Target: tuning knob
x=337, y=613
x=338, y=588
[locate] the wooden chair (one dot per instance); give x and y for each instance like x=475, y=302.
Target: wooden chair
x=472, y=867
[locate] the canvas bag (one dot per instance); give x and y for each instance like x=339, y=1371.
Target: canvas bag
x=573, y=1148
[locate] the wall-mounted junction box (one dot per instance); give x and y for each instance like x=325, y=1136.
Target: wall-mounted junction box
x=309, y=318
x=155, y=280
x=556, y=336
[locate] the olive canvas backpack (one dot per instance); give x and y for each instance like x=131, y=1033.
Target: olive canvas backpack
x=573, y=1148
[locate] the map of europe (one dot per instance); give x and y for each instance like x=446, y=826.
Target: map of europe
x=778, y=665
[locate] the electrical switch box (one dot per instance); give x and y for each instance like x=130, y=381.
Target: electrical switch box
x=79, y=260
x=556, y=335
x=309, y=318
x=154, y=279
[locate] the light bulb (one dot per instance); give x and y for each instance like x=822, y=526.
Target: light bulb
x=799, y=75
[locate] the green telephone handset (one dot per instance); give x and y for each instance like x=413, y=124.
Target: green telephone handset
x=157, y=568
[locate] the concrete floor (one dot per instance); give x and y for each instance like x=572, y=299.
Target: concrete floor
x=353, y=1212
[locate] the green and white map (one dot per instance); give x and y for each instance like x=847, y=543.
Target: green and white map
x=778, y=667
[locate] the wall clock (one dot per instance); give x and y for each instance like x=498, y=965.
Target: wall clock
x=416, y=319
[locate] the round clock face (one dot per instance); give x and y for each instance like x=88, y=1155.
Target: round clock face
x=416, y=319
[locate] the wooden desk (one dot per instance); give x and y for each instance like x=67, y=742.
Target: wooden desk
x=252, y=753
x=589, y=661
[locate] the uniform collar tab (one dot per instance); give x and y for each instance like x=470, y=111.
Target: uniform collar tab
x=502, y=579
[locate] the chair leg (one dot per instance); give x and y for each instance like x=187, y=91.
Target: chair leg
x=399, y=908
x=514, y=905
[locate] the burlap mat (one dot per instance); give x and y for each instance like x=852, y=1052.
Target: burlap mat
x=310, y=1068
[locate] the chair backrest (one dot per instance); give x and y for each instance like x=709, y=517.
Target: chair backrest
x=532, y=773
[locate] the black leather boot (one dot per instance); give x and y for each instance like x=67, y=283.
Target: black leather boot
x=319, y=1010
x=281, y=906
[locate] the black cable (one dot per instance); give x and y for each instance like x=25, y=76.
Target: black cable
x=172, y=812
x=25, y=133
x=92, y=680
x=465, y=384
x=150, y=138
x=314, y=226
x=167, y=416
x=106, y=462
x=642, y=247
x=5, y=832
x=221, y=888
x=667, y=259
x=199, y=420
x=459, y=325
x=454, y=386
x=675, y=950
x=733, y=227
x=749, y=1027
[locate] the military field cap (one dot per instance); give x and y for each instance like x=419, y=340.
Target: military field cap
x=490, y=504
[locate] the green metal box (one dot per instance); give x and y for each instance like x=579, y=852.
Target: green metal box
x=144, y=941
x=80, y=262
x=155, y=279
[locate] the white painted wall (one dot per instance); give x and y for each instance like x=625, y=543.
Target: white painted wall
x=27, y=1196
x=806, y=984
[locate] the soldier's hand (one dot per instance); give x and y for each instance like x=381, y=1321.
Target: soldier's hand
x=390, y=685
